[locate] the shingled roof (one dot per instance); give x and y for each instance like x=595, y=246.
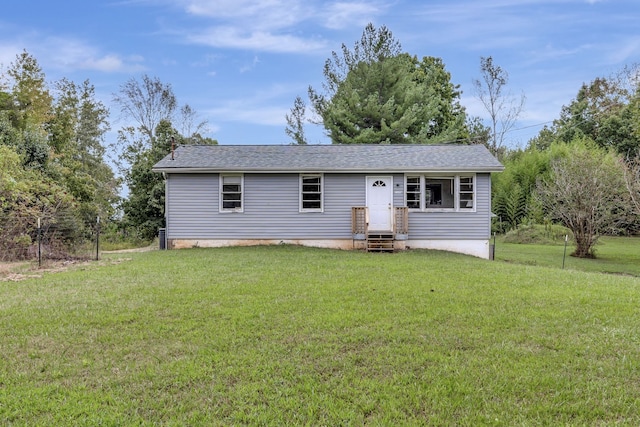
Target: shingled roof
x=329, y=158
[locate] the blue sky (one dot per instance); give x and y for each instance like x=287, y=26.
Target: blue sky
x=241, y=63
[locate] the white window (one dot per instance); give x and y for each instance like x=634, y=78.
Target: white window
x=414, y=192
x=466, y=197
x=435, y=193
x=231, y=193
x=311, y=190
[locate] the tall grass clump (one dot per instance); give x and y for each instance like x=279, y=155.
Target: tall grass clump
x=543, y=234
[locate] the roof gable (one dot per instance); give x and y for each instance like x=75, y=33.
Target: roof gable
x=329, y=158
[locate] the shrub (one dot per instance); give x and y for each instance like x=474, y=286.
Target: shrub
x=547, y=234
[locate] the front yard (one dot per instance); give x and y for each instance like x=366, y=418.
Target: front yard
x=288, y=335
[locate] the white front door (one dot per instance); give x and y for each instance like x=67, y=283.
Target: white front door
x=380, y=202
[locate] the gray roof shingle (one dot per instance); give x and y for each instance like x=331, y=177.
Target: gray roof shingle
x=329, y=158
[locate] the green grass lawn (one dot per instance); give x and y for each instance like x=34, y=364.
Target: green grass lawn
x=616, y=255
x=286, y=335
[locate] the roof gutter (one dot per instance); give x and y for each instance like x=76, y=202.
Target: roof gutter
x=307, y=170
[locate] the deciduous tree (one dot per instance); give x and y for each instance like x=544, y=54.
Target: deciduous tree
x=57, y=135
x=147, y=103
x=503, y=108
x=152, y=106
x=295, y=122
x=77, y=129
x=631, y=169
x=25, y=196
x=585, y=192
x=144, y=207
x=30, y=99
x=607, y=111
x=190, y=128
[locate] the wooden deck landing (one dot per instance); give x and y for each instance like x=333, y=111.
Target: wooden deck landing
x=380, y=241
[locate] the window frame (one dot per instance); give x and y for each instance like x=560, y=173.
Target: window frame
x=457, y=191
x=460, y=192
x=420, y=192
x=221, y=193
x=301, y=192
x=452, y=188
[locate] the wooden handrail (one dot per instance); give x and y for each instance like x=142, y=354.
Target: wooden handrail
x=359, y=220
x=401, y=217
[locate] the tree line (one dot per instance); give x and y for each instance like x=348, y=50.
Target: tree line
x=52, y=163
x=54, y=172
x=581, y=172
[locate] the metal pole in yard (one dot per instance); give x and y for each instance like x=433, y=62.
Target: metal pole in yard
x=97, y=238
x=39, y=245
x=566, y=238
x=494, y=245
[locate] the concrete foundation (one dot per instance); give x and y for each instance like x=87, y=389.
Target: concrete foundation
x=477, y=248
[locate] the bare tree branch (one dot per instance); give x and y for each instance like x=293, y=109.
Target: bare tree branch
x=631, y=170
x=147, y=102
x=503, y=108
x=295, y=122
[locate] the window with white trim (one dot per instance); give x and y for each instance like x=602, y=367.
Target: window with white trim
x=414, y=192
x=453, y=193
x=231, y=193
x=466, y=192
x=311, y=186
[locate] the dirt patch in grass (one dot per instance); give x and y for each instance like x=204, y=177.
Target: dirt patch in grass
x=23, y=270
x=124, y=251
x=14, y=271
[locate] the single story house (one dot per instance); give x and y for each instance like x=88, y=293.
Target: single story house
x=374, y=197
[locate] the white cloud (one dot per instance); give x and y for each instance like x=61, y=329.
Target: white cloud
x=233, y=37
x=69, y=54
x=274, y=25
x=279, y=14
x=106, y=63
x=553, y=53
x=72, y=54
x=262, y=15
x=343, y=14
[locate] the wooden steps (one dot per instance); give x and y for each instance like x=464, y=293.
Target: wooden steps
x=380, y=241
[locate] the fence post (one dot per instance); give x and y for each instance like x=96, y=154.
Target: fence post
x=39, y=245
x=97, y=238
x=493, y=255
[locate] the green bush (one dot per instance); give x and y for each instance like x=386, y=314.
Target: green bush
x=547, y=234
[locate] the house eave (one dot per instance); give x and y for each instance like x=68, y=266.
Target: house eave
x=193, y=170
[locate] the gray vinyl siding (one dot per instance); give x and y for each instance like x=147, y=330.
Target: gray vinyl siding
x=271, y=209
x=191, y=200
